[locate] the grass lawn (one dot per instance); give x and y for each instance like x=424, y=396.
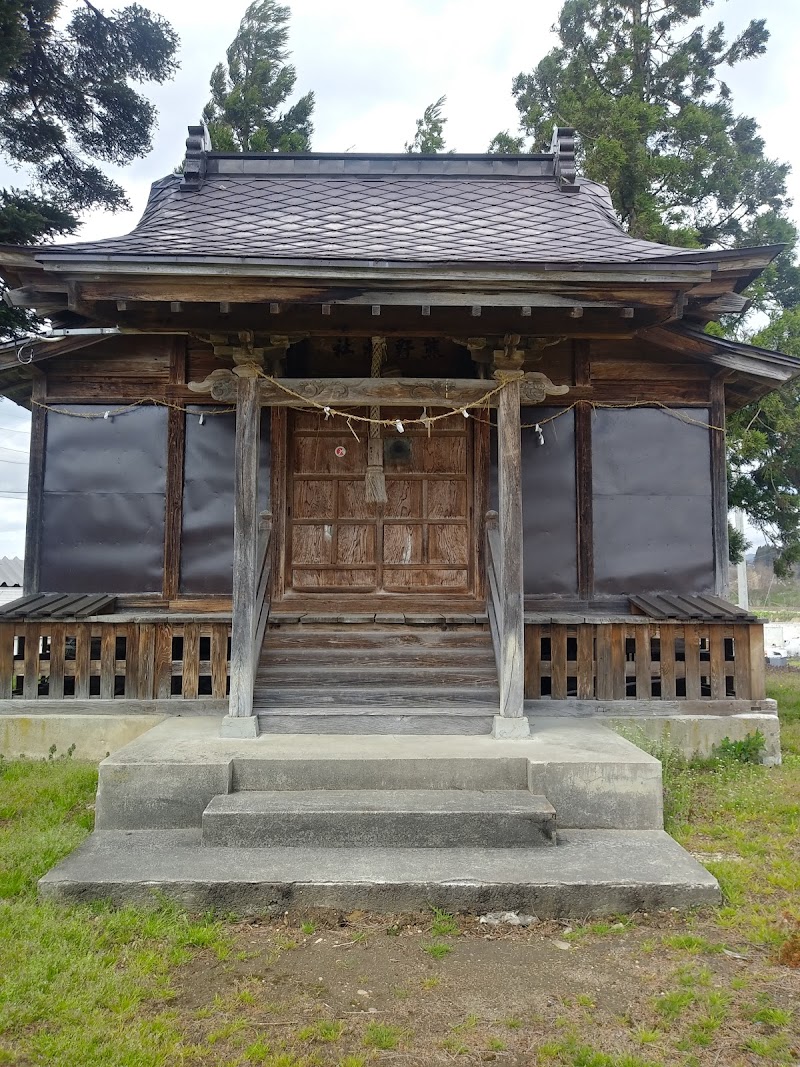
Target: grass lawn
x=92, y=985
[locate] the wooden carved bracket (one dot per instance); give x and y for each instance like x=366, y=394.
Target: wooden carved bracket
x=362, y=392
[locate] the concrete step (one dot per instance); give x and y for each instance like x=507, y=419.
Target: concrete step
x=473, y=719
x=380, y=818
x=590, y=873
x=341, y=697
x=381, y=677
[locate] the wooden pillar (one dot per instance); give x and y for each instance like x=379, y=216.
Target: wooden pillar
x=33, y=526
x=511, y=721
x=240, y=720
x=719, y=485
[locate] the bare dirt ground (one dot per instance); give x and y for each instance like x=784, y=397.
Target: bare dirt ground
x=627, y=993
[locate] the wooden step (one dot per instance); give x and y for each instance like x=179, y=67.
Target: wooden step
x=386, y=721
x=345, y=697
x=312, y=637
x=326, y=676
x=389, y=656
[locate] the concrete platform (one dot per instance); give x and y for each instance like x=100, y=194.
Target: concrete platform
x=590, y=873
x=594, y=778
x=380, y=818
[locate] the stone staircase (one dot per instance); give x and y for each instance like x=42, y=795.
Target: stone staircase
x=351, y=674
x=388, y=823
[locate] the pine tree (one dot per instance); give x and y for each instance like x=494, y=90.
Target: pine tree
x=246, y=94
x=67, y=103
x=429, y=137
x=644, y=86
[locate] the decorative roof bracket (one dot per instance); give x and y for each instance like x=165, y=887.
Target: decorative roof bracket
x=563, y=149
x=198, y=144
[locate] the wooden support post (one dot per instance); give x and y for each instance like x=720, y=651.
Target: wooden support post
x=33, y=526
x=719, y=486
x=511, y=722
x=245, y=553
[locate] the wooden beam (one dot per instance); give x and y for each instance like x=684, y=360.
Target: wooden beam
x=719, y=485
x=35, y=512
x=245, y=544
x=397, y=392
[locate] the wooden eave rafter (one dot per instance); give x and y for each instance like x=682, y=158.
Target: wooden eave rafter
x=755, y=371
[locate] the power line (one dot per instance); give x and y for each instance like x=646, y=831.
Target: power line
x=10, y=448
x=14, y=429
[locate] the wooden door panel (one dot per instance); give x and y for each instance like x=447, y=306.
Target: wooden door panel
x=425, y=579
x=419, y=542
x=402, y=543
x=355, y=543
x=337, y=578
x=447, y=499
x=444, y=455
x=314, y=499
x=448, y=544
x=312, y=544
x=317, y=454
x=353, y=500
x=404, y=499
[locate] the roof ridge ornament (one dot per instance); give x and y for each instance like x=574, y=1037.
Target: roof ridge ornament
x=198, y=145
x=563, y=149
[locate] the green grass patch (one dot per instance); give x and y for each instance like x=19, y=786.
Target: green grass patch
x=80, y=985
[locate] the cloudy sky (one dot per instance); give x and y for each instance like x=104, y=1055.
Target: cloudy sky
x=374, y=68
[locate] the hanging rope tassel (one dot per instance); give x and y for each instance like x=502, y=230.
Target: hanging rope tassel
x=375, y=481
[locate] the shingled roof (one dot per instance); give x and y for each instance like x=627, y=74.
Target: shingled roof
x=391, y=208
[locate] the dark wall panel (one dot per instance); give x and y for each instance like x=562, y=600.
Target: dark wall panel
x=103, y=505
x=548, y=503
x=652, y=502
x=207, y=540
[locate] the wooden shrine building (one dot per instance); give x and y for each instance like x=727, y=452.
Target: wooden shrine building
x=317, y=411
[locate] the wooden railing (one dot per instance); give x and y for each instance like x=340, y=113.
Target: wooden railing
x=645, y=661
x=251, y=604
x=494, y=601
x=112, y=660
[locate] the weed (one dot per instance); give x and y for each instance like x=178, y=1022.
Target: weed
x=353, y=1061
x=772, y=1016
x=382, y=1036
x=308, y=927
x=437, y=950
x=325, y=1030
x=454, y=1047
x=512, y=1023
x=691, y=943
x=258, y=1051
x=496, y=1045
x=431, y=983
x=671, y=1005
x=749, y=749
x=776, y=1048
x=469, y=1023
x=443, y=923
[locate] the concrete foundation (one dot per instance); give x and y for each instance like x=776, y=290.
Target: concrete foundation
x=698, y=735
x=87, y=737
x=593, y=777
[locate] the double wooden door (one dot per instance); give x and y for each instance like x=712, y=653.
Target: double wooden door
x=420, y=542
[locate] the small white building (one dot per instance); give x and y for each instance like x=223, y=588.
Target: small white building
x=10, y=578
